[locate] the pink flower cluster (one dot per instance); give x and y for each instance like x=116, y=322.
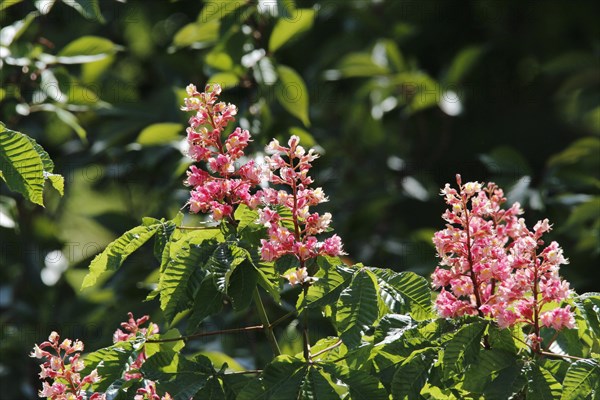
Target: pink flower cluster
x=493, y=265
x=131, y=329
x=68, y=383
x=286, y=214
x=225, y=185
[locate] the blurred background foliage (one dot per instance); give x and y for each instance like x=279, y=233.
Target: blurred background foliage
x=399, y=96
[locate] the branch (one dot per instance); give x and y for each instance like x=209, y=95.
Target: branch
x=202, y=334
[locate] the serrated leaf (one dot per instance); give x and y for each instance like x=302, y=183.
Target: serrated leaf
x=541, y=384
x=361, y=385
x=57, y=181
x=494, y=374
x=357, y=308
x=21, y=165
x=280, y=380
x=117, y=252
x=404, y=292
x=208, y=301
x=242, y=284
x=161, y=133
x=463, y=348
x=410, y=377
x=111, y=362
x=326, y=290
x=245, y=216
x=292, y=94
x=317, y=385
x=176, y=284
x=582, y=379
x=286, y=29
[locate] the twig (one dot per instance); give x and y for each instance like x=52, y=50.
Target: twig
x=250, y=371
x=202, y=334
x=333, y=346
x=268, y=327
x=550, y=354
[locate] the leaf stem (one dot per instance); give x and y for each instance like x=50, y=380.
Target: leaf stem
x=268, y=328
x=333, y=346
x=550, y=354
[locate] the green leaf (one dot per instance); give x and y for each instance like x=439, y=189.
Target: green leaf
x=184, y=270
x=241, y=286
x=317, y=385
x=245, y=216
x=208, y=301
x=326, y=290
x=410, y=377
x=404, y=292
x=87, y=8
x=289, y=28
x=215, y=10
x=280, y=380
x=494, y=374
x=112, y=362
x=419, y=90
x=161, y=133
x=117, y=252
x=463, y=348
x=21, y=166
x=360, y=65
x=71, y=120
x=582, y=379
x=362, y=386
x=292, y=94
x=227, y=80
x=57, y=181
x=357, y=308
x=86, y=49
x=462, y=64
x=541, y=384
x=197, y=35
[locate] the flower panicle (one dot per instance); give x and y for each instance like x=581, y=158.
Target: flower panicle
x=221, y=185
x=492, y=265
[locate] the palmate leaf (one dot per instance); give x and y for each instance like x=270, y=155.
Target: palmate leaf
x=281, y=380
x=463, y=348
x=176, y=284
x=496, y=374
x=208, y=301
x=361, y=385
x=541, y=384
x=21, y=166
x=582, y=380
x=326, y=289
x=111, y=362
x=117, y=251
x=175, y=374
x=410, y=377
x=404, y=292
x=357, y=308
x=317, y=385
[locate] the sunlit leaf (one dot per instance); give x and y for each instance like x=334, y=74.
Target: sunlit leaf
x=86, y=49
x=287, y=29
x=160, y=133
x=582, y=379
x=87, y=8
x=21, y=166
x=410, y=377
x=357, y=308
x=117, y=252
x=292, y=93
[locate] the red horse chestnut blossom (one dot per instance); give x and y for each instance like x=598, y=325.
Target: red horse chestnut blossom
x=494, y=266
x=216, y=191
x=63, y=366
x=294, y=234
